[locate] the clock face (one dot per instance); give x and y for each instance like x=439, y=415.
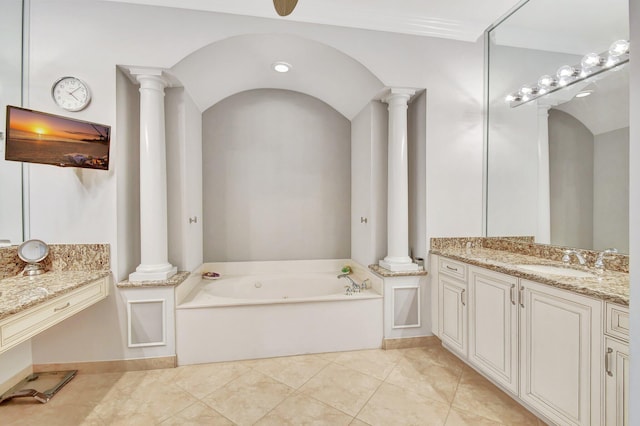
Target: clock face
x=71, y=93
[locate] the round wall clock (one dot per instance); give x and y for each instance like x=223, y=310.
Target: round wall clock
x=71, y=93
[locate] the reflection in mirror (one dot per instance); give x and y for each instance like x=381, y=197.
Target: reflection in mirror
x=11, y=214
x=557, y=166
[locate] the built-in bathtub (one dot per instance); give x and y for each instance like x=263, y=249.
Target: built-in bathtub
x=268, y=309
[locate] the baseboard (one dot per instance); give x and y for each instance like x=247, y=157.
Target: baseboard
x=410, y=342
x=111, y=366
x=17, y=378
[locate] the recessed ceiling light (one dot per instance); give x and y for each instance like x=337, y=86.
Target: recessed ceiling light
x=281, y=66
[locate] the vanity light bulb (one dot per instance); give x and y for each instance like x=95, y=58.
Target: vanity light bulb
x=547, y=81
x=619, y=48
x=566, y=72
x=591, y=60
x=513, y=97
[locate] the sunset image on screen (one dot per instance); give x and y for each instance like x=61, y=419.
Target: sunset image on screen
x=44, y=138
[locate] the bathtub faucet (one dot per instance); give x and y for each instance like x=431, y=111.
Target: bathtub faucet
x=355, y=287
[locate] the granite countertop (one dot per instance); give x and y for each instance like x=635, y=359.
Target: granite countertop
x=612, y=286
x=379, y=270
x=173, y=281
x=19, y=293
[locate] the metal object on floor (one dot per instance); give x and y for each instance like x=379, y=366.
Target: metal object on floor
x=38, y=386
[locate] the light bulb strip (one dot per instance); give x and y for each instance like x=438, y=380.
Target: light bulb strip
x=590, y=66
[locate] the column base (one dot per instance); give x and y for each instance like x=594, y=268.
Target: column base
x=399, y=264
x=153, y=273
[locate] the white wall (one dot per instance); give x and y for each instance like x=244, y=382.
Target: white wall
x=416, y=138
x=10, y=94
x=12, y=362
x=571, y=160
x=369, y=184
x=611, y=190
x=86, y=206
x=634, y=211
x=276, y=178
x=184, y=179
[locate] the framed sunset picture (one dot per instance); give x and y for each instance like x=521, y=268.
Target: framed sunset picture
x=40, y=137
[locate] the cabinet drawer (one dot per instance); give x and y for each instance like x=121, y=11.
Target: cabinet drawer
x=24, y=325
x=617, y=321
x=453, y=268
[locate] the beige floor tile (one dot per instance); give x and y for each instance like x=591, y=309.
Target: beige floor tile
x=477, y=395
x=300, y=409
x=342, y=388
x=203, y=379
x=197, y=414
x=377, y=363
x=426, y=378
x=20, y=412
x=248, y=398
x=391, y=405
x=435, y=354
x=358, y=422
x=143, y=395
x=293, y=371
x=462, y=418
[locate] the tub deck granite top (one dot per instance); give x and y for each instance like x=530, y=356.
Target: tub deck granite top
x=19, y=293
x=610, y=286
x=173, y=281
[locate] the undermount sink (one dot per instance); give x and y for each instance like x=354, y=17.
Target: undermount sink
x=557, y=270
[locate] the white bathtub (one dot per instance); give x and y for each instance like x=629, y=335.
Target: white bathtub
x=267, y=309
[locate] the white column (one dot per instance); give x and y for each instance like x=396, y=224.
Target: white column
x=397, y=258
x=543, y=233
x=154, y=264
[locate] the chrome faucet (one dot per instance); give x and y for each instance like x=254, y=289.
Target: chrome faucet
x=567, y=257
x=600, y=260
x=354, y=287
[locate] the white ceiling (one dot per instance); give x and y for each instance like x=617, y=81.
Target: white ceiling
x=463, y=20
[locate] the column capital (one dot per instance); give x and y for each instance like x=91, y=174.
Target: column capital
x=151, y=74
x=398, y=94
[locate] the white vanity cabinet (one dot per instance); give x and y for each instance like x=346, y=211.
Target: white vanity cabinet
x=22, y=326
x=560, y=362
x=493, y=326
x=616, y=365
x=452, y=304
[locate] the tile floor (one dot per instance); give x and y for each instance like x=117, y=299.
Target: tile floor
x=418, y=386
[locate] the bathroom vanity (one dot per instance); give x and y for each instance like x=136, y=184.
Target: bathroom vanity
x=30, y=305
x=555, y=337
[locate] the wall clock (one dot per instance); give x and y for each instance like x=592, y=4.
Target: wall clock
x=71, y=93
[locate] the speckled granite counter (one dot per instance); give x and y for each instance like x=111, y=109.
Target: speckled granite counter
x=171, y=282
x=385, y=273
x=612, y=286
x=19, y=292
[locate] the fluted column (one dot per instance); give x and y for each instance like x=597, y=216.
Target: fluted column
x=397, y=258
x=154, y=264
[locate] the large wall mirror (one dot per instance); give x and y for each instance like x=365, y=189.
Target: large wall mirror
x=557, y=166
x=11, y=210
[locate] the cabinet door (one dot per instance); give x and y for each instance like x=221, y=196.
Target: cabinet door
x=453, y=314
x=616, y=382
x=493, y=326
x=560, y=354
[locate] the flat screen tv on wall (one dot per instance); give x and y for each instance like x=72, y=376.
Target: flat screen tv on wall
x=39, y=137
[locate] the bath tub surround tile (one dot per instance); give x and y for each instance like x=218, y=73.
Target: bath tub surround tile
x=392, y=405
x=300, y=409
x=341, y=387
x=197, y=414
x=248, y=398
x=477, y=395
x=293, y=371
x=202, y=380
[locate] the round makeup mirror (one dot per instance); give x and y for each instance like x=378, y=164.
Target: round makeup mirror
x=33, y=252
